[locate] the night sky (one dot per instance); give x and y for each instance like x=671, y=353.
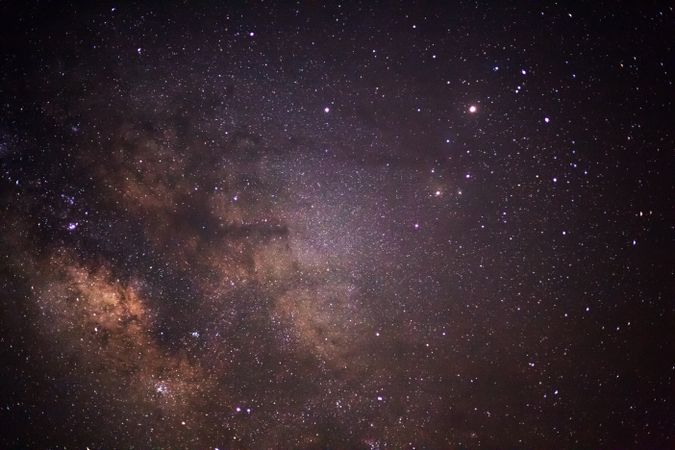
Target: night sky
x=348, y=226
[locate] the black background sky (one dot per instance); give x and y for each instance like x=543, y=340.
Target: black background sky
x=358, y=225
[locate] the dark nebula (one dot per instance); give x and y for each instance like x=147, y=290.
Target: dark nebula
x=314, y=225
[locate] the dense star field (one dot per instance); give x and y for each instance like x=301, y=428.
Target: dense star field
x=358, y=225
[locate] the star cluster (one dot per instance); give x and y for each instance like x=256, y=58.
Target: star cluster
x=353, y=225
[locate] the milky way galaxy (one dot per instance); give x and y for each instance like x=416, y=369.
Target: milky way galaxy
x=314, y=226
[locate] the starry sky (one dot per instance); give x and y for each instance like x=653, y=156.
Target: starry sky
x=359, y=225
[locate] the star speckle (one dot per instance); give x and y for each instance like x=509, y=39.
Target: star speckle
x=161, y=388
